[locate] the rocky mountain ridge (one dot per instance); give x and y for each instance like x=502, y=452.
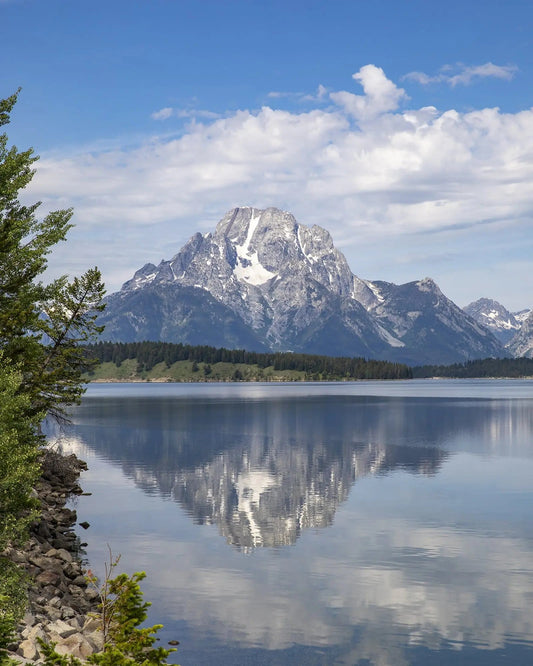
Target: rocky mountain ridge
x=513, y=329
x=263, y=281
x=522, y=343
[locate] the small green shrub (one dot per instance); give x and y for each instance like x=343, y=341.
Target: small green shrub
x=121, y=612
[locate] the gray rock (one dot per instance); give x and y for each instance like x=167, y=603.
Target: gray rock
x=67, y=613
x=57, y=608
x=61, y=628
x=75, y=645
x=80, y=581
x=91, y=594
x=47, y=578
x=28, y=650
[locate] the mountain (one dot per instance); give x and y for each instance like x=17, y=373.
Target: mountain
x=502, y=323
x=522, y=342
x=513, y=329
x=263, y=281
x=427, y=324
x=190, y=315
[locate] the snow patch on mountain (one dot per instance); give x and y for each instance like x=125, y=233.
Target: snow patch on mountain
x=375, y=291
x=248, y=267
x=522, y=343
x=494, y=317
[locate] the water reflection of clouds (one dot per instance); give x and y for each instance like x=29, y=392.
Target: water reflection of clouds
x=478, y=589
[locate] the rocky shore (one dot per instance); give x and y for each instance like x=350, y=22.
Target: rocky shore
x=60, y=600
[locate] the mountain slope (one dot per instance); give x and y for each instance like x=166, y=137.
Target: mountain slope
x=263, y=281
x=429, y=324
x=491, y=314
x=184, y=314
x=522, y=342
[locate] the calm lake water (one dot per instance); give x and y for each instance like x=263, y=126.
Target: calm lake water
x=386, y=523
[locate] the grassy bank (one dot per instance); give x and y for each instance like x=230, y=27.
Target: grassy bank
x=191, y=371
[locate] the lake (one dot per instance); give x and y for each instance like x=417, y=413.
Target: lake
x=383, y=523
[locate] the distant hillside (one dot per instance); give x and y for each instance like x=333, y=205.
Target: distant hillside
x=163, y=361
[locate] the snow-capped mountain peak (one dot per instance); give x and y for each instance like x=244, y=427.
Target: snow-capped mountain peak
x=495, y=317
x=263, y=278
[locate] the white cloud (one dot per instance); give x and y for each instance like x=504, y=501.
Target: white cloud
x=483, y=71
x=162, y=114
x=169, y=112
x=381, y=94
x=196, y=113
x=277, y=94
x=464, y=75
x=319, y=95
x=361, y=167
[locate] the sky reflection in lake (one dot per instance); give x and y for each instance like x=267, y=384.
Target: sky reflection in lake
x=319, y=526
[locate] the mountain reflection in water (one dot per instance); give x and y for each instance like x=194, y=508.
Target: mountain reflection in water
x=286, y=467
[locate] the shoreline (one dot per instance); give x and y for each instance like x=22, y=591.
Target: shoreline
x=60, y=602
x=165, y=380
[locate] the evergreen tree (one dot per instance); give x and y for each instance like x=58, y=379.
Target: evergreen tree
x=41, y=325
x=41, y=362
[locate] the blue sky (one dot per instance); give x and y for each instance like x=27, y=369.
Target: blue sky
x=404, y=128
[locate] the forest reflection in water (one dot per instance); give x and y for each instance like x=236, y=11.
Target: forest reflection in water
x=430, y=543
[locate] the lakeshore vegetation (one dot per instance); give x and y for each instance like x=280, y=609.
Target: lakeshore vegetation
x=165, y=361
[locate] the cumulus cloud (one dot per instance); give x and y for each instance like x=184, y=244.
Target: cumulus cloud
x=381, y=94
x=464, y=74
x=361, y=166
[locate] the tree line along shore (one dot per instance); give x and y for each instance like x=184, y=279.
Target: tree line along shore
x=165, y=361
x=178, y=362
